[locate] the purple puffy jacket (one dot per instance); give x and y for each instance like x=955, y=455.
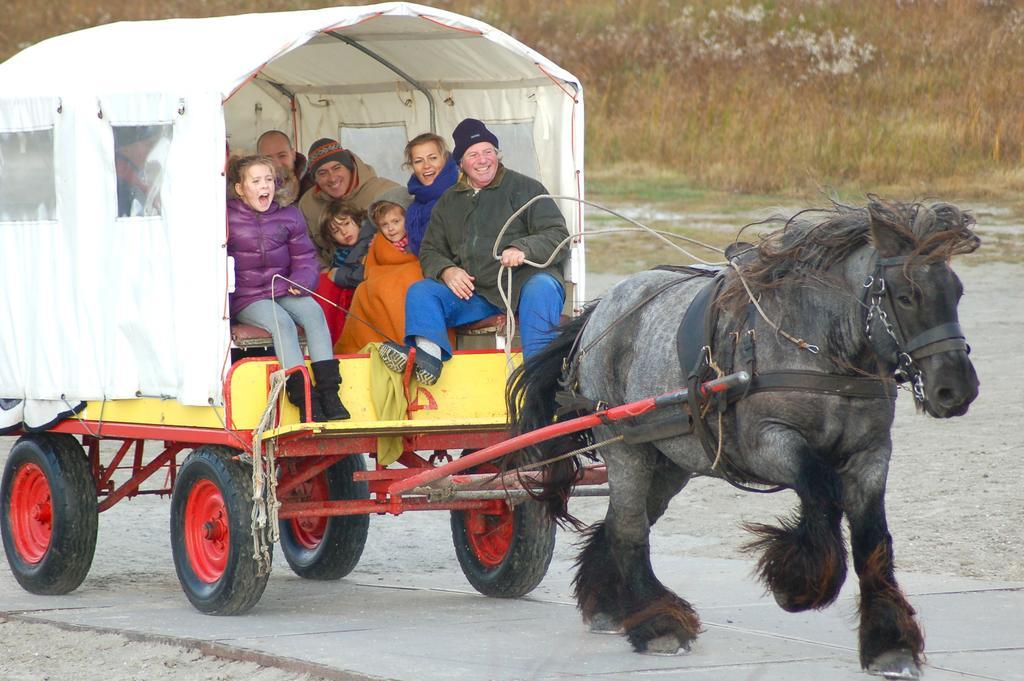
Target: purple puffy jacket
x=265, y=244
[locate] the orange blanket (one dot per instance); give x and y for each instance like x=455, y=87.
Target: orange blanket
x=380, y=299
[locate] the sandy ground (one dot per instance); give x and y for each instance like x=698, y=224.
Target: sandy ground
x=955, y=507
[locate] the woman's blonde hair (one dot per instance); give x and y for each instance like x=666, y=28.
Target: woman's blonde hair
x=423, y=138
x=237, y=165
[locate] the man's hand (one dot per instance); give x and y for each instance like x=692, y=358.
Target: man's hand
x=459, y=281
x=512, y=257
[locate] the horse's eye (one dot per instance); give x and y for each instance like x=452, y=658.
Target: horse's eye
x=905, y=300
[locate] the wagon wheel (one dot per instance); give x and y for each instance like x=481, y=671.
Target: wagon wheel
x=48, y=513
x=504, y=551
x=327, y=547
x=211, y=535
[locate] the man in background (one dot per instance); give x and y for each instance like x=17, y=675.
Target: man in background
x=295, y=182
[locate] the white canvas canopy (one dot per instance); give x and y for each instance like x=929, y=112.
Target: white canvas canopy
x=110, y=294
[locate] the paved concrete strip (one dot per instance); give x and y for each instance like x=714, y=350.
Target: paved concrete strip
x=209, y=648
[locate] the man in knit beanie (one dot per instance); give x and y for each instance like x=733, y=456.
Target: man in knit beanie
x=461, y=275
x=340, y=174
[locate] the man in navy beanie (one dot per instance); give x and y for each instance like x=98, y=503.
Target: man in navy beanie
x=469, y=132
x=461, y=275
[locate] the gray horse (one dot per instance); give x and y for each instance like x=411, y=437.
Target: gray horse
x=828, y=315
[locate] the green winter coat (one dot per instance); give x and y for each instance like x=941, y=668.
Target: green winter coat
x=464, y=225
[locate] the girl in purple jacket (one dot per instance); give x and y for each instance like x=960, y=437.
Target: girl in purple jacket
x=266, y=239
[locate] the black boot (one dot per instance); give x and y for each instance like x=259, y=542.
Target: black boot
x=294, y=388
x=327, y=376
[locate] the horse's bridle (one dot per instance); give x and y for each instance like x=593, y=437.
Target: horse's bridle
x=941, y=338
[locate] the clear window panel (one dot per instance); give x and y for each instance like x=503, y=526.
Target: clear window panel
x=516, y=143
x=140, y=157
x=28, y=188
x=381, y=147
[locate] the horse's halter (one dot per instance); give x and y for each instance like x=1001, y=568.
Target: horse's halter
x=941, y=338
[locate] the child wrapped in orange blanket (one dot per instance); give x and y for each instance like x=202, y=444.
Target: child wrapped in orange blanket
x=390, y=270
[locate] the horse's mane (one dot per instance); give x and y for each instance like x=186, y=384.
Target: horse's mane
x=814, y=240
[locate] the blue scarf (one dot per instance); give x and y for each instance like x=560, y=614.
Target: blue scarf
x=340, y=255
x=417, y=216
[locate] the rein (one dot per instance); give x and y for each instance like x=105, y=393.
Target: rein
x=876, y=298
x=571, y=365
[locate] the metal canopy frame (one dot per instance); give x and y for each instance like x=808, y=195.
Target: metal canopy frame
x=397, y=71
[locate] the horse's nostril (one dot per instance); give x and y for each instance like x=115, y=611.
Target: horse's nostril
x=945, y=396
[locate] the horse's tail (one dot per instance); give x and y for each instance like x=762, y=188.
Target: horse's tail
x=530, y=398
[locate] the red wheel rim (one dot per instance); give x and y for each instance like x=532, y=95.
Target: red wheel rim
x=207, y=536
x=309, y=532
x=489, y=534
x=31, y=513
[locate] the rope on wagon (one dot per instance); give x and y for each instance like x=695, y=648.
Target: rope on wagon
x=567, y=455
x=77, y=413
x=505, y=288
x=265, y=531
x=314, y=294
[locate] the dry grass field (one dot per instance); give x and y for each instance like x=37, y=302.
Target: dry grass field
x=907, y=97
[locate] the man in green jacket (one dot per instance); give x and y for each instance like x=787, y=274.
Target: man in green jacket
x=461, y=275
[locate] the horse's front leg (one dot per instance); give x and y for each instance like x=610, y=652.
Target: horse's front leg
x=891, y=642
x=655, y=619
x=803, y=561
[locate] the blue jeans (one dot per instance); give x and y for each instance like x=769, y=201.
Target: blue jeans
x=290, y=310
x=431, y=308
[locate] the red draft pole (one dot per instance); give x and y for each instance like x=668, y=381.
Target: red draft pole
x=564, y=428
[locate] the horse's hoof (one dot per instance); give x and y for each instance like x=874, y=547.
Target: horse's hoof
x=605, y=624
x=895, y=664
x=666, y=645
x=789, y=604
x=783, y=602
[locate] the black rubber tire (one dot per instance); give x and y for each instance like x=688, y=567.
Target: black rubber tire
x=72, y=508
x=240, y=585
x=344, y=537
x=524, y=564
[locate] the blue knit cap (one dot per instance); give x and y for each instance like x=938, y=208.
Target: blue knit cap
x=469, y=132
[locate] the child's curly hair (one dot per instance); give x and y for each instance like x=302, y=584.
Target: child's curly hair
x=237, y=165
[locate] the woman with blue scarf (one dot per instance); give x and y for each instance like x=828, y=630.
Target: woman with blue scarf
x=433, y=172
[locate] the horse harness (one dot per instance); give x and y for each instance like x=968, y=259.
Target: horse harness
x=694, y=340
x=941, y=338
x=695, y=347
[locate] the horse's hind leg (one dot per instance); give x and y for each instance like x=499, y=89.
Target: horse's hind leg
x=597, y=585
x=615, y=578
x=598, y=582
x=803, y=562
x=891, y=642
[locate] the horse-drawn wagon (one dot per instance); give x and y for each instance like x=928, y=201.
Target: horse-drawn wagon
x=118, y=331
x=115, y=296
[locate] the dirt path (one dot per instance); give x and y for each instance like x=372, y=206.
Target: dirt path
x=955, y=508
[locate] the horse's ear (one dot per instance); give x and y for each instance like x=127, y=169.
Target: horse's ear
x=949, y=230
x=890, y=231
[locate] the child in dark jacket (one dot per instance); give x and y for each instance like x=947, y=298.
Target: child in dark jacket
x=266, y=239
x=344, y=237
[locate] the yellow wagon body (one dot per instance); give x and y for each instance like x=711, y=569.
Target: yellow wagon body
x=469, y=396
